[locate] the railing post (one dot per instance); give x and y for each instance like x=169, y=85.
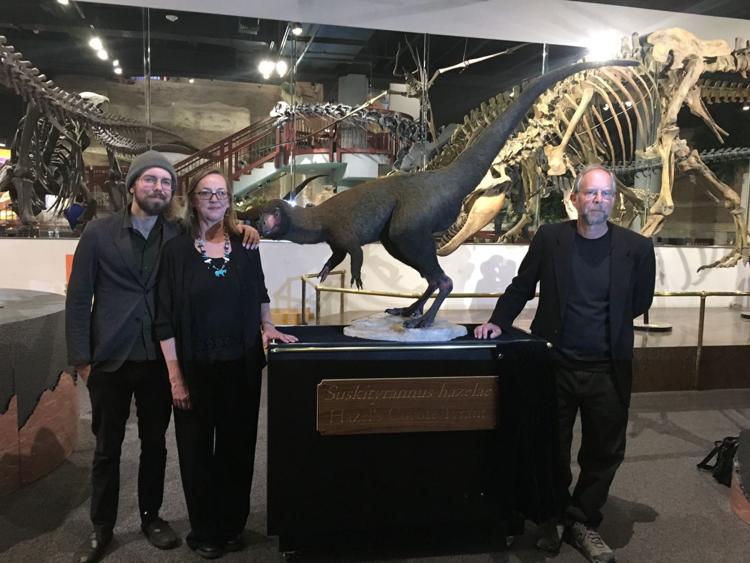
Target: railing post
x=341, y=302
x=317, y=305
x=699, y=347
x=303, y=318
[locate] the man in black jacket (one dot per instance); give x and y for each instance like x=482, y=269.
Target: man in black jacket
x=594, y=279
x=112, y=347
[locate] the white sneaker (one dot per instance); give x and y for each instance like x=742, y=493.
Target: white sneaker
x=551, y=536
x=589, y=543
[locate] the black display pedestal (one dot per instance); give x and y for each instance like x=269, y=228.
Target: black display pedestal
x=412, y=488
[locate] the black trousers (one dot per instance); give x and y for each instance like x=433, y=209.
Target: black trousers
x=604, y=418
x=111, y=393
x=216, y=446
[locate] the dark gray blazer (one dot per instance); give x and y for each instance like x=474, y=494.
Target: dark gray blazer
x=102, y=333
x=548, y=261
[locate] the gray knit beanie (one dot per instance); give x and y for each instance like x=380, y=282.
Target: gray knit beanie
x=149, y=159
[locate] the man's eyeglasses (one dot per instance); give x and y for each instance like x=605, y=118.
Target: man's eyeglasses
x=592, y=193
x=151, y=181
x=207, y=194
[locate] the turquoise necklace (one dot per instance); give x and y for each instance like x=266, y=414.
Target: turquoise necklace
x=218, y=272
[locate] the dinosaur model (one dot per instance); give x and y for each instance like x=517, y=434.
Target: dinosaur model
x=403, y=211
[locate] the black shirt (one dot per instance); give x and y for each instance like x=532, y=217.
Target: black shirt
x=146, y=255
x=180, y=309
x=217, y=336
x=585, y=330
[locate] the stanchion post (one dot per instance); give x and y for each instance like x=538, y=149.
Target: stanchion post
x=303, y=318
x=699, y=347
x=341, y=298
x=317, y=305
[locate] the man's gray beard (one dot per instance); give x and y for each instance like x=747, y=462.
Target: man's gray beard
x=593, y=219
x=152, y=205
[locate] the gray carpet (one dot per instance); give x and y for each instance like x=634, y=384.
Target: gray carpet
x=661, y=508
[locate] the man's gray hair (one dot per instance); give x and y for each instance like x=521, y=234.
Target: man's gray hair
x=588, y=168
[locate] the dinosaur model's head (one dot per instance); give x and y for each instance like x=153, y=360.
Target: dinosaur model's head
x=274, y=219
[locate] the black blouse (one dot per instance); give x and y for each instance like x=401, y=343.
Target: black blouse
x=216, y=337
x=211, y=319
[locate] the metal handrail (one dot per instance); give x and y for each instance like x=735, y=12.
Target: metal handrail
x=703, y=295
x=303, y=302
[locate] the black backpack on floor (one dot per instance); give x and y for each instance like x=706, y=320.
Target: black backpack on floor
x=724, y=451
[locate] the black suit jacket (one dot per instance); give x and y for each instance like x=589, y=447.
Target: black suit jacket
x=548, y=262
x=102, y=333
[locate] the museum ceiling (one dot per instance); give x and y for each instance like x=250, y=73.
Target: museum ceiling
x=720, y=8
x=55, y=38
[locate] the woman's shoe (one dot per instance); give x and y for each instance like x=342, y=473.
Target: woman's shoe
x=207, y=550
x=235, y=543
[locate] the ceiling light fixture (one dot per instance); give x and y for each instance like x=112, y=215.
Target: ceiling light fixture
x=96, y=43
x=266, y=67
x=171, y=18
x=118, y=70
x=296, y=29
x=191, y=80
x=63, y=2
x=281, y=67
x=102, y=54
x=116, y=62
x=746, y=107
x=603, y=45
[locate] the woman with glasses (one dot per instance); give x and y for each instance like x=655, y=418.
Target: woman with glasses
x=213, y=320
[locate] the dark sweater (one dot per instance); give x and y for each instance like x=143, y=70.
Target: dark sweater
x=585, y=324
x=177, y=310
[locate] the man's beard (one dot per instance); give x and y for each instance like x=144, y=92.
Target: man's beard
x=152, y=204
x=595, y=217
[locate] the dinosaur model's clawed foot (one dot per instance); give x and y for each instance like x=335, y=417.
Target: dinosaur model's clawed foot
x=410, y=311
x=356, y=281
x=324, y=273
x=423, y=321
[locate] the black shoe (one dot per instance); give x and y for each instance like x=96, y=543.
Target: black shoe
x=205, y=549
x=92, y=550
x=235, y=543
x=550, y=537
x=160, y=534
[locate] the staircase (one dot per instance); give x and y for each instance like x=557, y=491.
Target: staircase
x=261, y=153
x=253, y=148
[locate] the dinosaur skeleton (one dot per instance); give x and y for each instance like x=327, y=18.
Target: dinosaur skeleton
x=47, y=151
x=617, y=116
x=400, y=125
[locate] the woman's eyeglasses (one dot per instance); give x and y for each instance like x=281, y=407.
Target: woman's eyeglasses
x=207, y=194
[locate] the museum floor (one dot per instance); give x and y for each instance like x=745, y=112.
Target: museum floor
x=661, y=508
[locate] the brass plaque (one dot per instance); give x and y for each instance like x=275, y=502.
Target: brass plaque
x=413, y=404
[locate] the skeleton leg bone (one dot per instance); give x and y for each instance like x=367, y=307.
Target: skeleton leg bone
x=731, y=201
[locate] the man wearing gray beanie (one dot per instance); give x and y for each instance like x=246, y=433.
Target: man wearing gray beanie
x=113, y=349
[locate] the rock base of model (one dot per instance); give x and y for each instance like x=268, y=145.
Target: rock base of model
x=383, y=326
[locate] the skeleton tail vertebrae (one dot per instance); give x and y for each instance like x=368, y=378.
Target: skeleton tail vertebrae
x=57, y=104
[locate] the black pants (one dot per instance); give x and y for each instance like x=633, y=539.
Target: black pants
x=111, y=393
x=604, y=419
x=216, y=445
